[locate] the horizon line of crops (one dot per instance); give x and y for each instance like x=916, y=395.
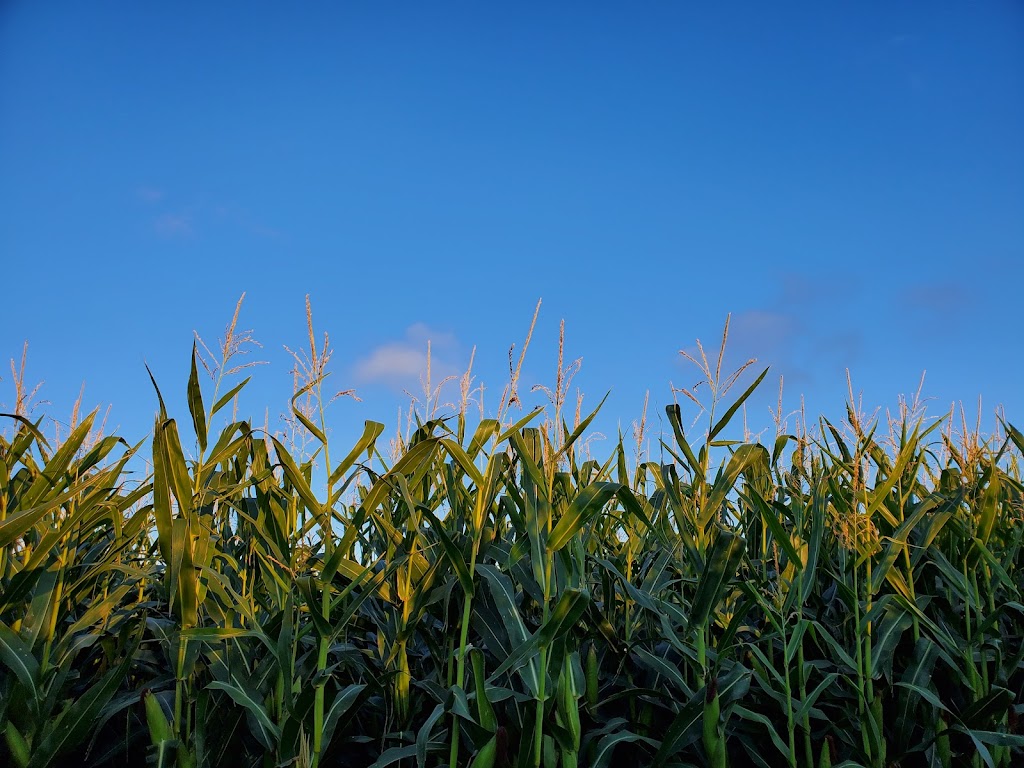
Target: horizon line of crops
x=490, y=595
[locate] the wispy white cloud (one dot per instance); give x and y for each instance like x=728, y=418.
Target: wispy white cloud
x=786, y=335
x=404, y=362
x=397, y=360
x=187, y=220
x=173, y=225
x=929, y=304
x=762, y=333
x=758, y=334
x=936, y=296
x=149, y=194
x=240, y=217
x=442, y=341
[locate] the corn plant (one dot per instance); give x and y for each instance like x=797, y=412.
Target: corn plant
x=490, y=594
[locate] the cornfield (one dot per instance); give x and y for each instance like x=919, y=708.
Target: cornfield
x=485, y=593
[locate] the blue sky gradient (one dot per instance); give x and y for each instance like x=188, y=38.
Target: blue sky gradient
x=847, y=182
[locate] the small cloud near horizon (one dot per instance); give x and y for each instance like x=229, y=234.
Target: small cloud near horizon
x=783, y=336
x=763, y=335
x=402, y=363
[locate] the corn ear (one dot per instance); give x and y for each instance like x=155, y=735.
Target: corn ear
x=568, y=705
x=485, y=712
x=592, y=676
x=159, y=728
x=487, y=754
x=825, y=761
x=877, y=716
x=17, y=744
x=942, y=747
x=550, y=753
x=714, y=743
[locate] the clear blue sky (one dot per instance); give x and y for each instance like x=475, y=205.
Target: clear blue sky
x=848, y=182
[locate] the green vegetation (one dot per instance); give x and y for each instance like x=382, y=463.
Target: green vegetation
x=486, y=594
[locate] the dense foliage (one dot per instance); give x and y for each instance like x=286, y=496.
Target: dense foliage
x=494, y=598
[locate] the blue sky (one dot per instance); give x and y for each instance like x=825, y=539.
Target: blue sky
x=848, y=182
